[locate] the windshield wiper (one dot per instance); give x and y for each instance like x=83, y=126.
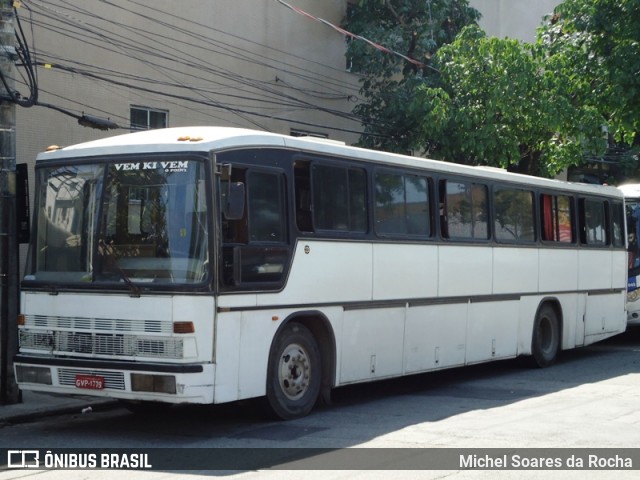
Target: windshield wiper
x=106, y=251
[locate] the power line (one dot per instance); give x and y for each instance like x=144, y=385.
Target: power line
x=231, y=76
x=312, y=75
x=344, y=32
x=150, y=46
x=204, y=45
x=211, y=104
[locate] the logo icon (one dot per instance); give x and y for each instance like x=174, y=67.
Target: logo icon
x=23, y=459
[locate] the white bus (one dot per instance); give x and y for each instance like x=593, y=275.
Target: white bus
x=209, y=265
x=632, y=205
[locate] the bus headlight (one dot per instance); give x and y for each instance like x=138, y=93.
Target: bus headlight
x=28, y=374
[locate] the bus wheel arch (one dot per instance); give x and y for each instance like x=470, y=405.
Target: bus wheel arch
x=304, y=343
x=546, y=338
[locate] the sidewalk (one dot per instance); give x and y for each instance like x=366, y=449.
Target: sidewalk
x=37, y=405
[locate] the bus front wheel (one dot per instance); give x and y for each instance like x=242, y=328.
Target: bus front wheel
x=294, y=372
x=546, y=337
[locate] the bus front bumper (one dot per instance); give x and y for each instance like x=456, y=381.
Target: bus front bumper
x=170, y=383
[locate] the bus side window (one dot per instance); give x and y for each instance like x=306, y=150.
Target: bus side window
x=514, y=215
x=556, y=214
x=616, y=211
x=402, y=205
x=444, y=229
x=266, y=207
x=593, y=222
x=330, y=198
x=466, y=214
x=302, y=175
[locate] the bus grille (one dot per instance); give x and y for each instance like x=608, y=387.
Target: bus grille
x=112, y=380
x=99, y=324
x=100, y=344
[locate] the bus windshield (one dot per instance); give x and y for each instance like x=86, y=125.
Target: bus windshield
x=129, y=222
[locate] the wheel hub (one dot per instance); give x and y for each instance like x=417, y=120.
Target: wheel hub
x=294, y=372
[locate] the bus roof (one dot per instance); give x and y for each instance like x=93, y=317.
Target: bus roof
x=208, y=138
x=631, y=190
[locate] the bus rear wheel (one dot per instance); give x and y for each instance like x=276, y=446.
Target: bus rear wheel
x=294, y=373
x=546, y=337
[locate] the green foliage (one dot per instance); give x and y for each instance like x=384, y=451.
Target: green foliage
x=414, y=28
x=534, y=108
x=497, y=104
x=595, y=47
x=599, y=44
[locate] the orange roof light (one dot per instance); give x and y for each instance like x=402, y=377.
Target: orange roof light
x=187, y=138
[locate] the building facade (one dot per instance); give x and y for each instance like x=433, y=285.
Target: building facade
x=513, y=18
x=233, y=62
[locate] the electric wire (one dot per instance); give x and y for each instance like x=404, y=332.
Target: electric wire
x=107, y=39
x=235, y=79
x=354, y=36
x=204, y=40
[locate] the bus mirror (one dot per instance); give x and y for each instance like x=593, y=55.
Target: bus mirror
x=234, y=204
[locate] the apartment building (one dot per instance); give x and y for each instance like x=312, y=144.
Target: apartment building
x=246, y=63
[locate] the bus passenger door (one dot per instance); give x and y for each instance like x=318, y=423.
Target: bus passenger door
x=255, y=245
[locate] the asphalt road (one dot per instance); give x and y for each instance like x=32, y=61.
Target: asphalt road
x=588, y=401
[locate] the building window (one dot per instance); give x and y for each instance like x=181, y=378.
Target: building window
x=143, y=118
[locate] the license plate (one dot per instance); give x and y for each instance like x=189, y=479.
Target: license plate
x=91, y=382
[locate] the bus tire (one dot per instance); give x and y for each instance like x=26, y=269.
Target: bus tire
x=294, y=373
x=545, y=343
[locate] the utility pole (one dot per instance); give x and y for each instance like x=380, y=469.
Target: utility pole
x=9, y=392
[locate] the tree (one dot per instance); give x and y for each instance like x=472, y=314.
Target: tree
x=596, y=45
x=539, y=108
x=499, y=103
x=533, y=108
x=415, y=29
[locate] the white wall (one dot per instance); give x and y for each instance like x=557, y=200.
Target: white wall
x=513, y=18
